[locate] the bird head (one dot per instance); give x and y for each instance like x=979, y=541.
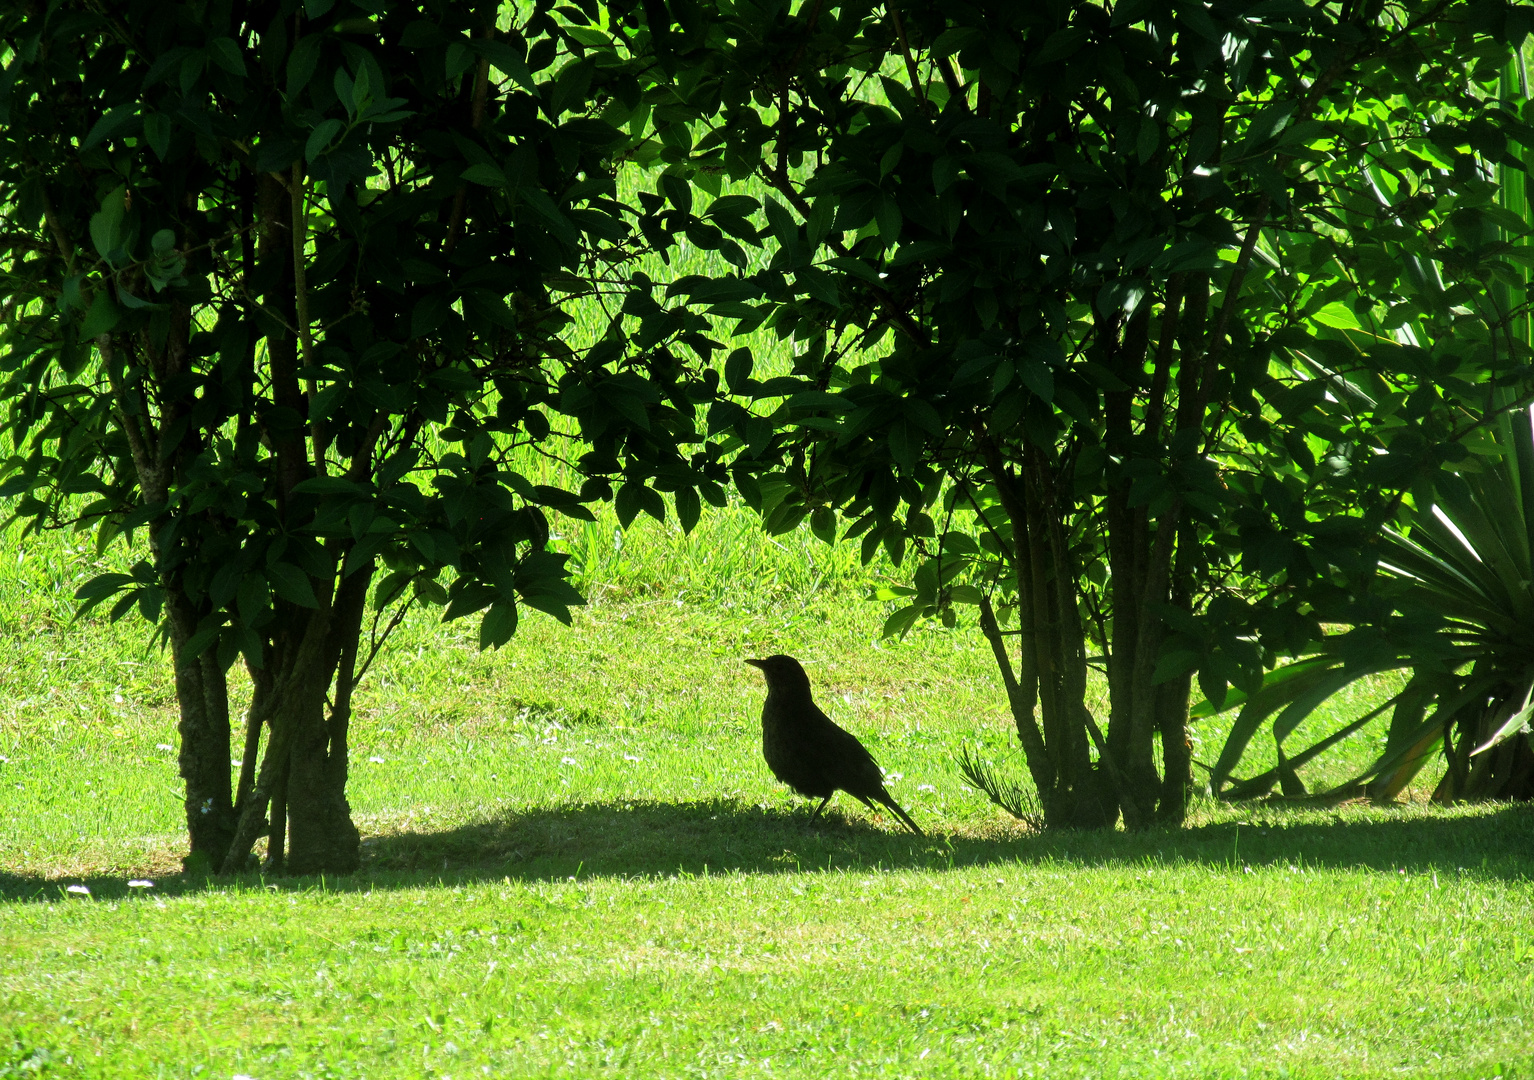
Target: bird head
x=782, y=672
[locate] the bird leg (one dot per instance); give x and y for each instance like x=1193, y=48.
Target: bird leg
x=819, y=808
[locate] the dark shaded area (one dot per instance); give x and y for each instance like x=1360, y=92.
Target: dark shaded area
x=649, y=839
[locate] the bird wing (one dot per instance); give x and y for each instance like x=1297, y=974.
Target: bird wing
x=859, y=774
x=843, y=753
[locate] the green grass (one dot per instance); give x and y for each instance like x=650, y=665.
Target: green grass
x=577, y=865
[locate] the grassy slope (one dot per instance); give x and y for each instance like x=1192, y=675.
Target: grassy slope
x=578, y=866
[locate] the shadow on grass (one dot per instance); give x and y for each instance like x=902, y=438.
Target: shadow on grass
x=650, y=839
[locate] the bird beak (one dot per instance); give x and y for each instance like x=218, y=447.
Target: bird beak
x=757, y=663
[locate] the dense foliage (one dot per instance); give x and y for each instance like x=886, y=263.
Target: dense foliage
x=1145, y=328
x=286, y=285
x=1070, y=285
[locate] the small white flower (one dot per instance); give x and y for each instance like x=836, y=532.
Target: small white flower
x=235, y=763
x=242, y=1076
x=892, y=777
x=626, y=757
x=925, y=787
x=567, y=761
x=118, y=698
x=376, y=760
x=140, y=883
x=78, y=890
x=163, y=746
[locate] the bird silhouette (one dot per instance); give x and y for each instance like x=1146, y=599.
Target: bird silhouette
x=807, y=751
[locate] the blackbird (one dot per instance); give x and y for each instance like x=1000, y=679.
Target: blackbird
x=807, y=751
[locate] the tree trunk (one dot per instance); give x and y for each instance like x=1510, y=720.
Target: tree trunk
x=202, y=696
x=321, y=836
x=304, y=773
x=1051, y=672
x=1176, y=750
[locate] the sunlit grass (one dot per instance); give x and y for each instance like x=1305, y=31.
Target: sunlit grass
x=576, y=864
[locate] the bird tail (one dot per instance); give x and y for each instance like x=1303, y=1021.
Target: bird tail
x=884, y=797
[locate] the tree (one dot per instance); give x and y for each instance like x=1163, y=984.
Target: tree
x=289, y=287
x=1059, y=276
x=1448, y=598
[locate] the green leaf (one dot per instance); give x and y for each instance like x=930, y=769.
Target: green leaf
x=498, y=624
x=904, y=444
x=570, y=86
x=737, y=206
x=1266, y=125
x=225, y=52
x=820, y=285
x=1148, y=140
x=157, y=133
x=823, y=524
x=321, y=137
x=737, y=370
x=485, y=174
x=302, y=61
x=346, y=94
x=677, y=191
x=964, y=594
x=197, y=644
x=1338, y=315
x=901, y=621
x=114, y=123
x=633, y=497
x=98, y=589
x=1173, y=663
x=1039, y=378
x=252, y=597
x=626, y=504
x=688, y=508
x=1060, y=44
x=945, y=170
x=292, y=584
x=108, y=230
x=782, y=223
x=507, y=60
x=102, y=317
x=430, y=591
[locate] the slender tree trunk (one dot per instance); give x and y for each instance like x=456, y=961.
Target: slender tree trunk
x=1176, y=750
x=1051, y=673
x=1172, y=699
x=204, y=751
x=322, y=836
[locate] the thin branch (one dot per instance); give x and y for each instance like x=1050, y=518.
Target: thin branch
x=376, y=641
x=918, y=85
x=297, y=190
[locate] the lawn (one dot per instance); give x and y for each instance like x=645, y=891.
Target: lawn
x=577, y=865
